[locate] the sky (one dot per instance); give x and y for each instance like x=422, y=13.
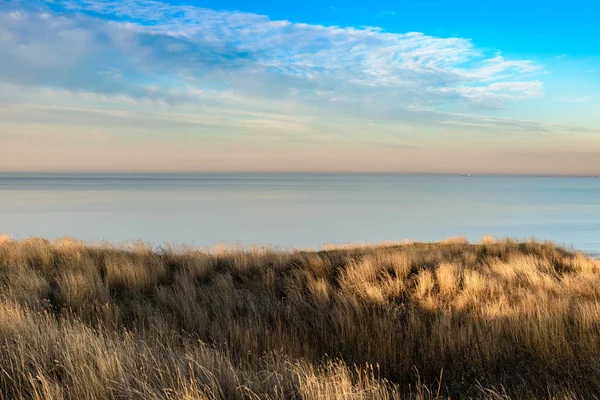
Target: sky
x=434, y=86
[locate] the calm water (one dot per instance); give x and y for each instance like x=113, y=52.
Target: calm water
x=299, y=209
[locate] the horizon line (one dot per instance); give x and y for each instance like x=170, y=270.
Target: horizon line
x=294, y=172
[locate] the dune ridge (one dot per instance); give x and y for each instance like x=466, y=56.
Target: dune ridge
x=493, y=320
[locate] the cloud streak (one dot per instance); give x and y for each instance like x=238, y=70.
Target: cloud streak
x=150, y=49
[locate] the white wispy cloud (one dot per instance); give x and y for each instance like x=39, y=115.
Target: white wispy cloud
x=386, y=14
x=149, y=49
x=239, y=114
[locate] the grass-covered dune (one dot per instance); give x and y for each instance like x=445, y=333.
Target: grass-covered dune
x=492, y=320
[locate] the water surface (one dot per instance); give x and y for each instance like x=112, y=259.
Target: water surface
x=299, y=209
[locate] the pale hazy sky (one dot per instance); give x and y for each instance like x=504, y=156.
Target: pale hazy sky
x=428, y=86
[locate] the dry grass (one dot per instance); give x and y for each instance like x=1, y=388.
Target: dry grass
x=495, y=320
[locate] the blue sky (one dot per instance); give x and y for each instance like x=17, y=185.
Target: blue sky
x=540, y=28
x=408, y=86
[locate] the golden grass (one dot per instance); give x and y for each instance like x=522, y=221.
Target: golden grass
x=495, y=320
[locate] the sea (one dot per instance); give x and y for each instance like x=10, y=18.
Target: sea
x=299, y=210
